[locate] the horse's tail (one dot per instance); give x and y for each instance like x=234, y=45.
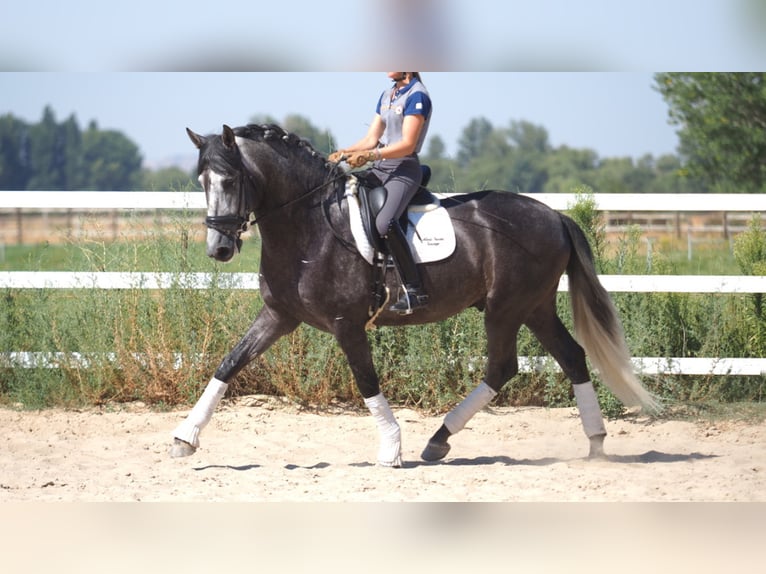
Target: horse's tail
x=598, y=328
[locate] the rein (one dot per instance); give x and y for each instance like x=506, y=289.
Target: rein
x=233, y=226
x=299, y=198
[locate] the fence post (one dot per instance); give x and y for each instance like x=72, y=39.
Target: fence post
x=689, y=244
x=19, y=228
x=115, y=224
x=649, y=253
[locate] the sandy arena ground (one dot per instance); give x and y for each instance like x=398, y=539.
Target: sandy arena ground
x=264, y=449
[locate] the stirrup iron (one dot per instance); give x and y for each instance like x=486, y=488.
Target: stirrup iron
x=410, y=300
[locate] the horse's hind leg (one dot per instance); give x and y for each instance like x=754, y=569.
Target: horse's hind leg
x=554, y=336
x=502, y=365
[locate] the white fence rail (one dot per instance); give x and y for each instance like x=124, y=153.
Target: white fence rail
x=141, y=200
x=145, y=200
x=640, y=202
x=124, y=280
x=141, y=280
x=643, y=365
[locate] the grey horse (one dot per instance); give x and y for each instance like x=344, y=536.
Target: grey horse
x=510, y=254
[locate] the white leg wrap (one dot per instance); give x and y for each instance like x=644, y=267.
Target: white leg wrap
x=590, y=411
x=390, y=453
x=479, y=398
x=189, y=429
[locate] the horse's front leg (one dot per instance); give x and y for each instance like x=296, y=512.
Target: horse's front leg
x=354, y=343
x=265, y=330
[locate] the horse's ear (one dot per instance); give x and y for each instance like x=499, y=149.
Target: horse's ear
x=228, y=137
x=196, y=139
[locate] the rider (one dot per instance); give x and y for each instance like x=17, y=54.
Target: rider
x=392, y=143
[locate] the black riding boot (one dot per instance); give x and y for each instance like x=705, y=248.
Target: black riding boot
x=413, y=296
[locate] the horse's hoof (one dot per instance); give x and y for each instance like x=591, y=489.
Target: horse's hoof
x=181, y=448
x=435, y=451
x=597, y=447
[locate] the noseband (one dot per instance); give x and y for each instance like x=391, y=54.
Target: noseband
x=233, y=226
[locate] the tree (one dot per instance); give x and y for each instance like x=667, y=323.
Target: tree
x=474, y=140
x=512, y=158
x=70, y=139
x=60, y=157
x=168, y=179
x=722, y=119
x=14, y=153
x=436, y=148
x=671, y=177
x=111, y=161
x=614, y=176
x=443, y=169
x=569, y=168
x=322, y=140
x=529, y=149
x=47, y=154
x=528, y=137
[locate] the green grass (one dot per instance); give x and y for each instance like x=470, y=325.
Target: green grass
x=713, y=259
x=103, y=255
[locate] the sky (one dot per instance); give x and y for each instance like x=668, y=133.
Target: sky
x=353, y=35
x=615, y=114
x=582, y=70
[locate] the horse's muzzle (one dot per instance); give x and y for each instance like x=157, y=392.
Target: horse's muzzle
x=223, y=246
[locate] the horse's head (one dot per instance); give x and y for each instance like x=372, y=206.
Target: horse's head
x=259, y=170
x=226, y=183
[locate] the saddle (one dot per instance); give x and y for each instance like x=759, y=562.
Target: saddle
x=426, y=224
x=372, y=198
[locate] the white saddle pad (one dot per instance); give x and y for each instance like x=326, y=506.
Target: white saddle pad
x=430, y=233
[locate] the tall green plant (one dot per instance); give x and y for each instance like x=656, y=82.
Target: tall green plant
x=750, y=254
x=586, y=214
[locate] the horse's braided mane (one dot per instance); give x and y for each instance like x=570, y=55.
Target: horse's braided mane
x=274, y=132
x=224, y=160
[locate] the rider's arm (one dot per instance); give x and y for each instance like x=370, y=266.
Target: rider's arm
x=410, y=134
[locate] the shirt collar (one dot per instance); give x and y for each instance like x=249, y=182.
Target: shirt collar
x=405, y=89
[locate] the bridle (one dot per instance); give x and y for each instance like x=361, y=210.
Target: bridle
x=233, y=226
